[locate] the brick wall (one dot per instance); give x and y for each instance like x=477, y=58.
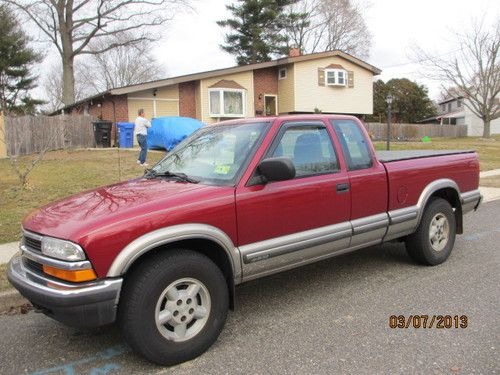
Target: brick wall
x=187, y=99
x=265, y=81
x=103, y=108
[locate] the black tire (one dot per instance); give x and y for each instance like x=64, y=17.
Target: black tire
x=142, y=290
x=419, y=245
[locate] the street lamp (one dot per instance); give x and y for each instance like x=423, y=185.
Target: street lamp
x=389, y=100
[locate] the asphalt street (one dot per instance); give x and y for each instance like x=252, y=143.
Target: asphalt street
x=327, y=318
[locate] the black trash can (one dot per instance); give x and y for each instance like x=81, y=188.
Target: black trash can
x=102, y=133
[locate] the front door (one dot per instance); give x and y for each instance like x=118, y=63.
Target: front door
x=270, y=105
x=287, y=223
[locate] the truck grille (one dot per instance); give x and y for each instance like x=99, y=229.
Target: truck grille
x=35, y=245
x=32, y=243
x=32, y=265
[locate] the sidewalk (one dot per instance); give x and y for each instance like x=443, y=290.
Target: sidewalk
x=493, y=172
x=7, y=251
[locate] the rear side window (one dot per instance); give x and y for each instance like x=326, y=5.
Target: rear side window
x=310, y=149
x=353, y=142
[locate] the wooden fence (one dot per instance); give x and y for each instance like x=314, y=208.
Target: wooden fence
x=408, y=132
x=31, y=134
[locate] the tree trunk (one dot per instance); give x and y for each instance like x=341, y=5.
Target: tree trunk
x=68, y=92
x=486, y=129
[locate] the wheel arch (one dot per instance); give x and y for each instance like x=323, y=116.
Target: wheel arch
x=205, y=239
x=448, y=190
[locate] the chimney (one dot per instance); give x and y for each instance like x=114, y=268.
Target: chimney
x=294, y=52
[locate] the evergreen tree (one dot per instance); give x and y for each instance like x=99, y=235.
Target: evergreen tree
x=257, y=30
x=16, y=61
x=411, y=101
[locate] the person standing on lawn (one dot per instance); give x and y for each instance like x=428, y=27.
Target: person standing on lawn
x=141, y=129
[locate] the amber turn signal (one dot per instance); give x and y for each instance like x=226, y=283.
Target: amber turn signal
x=74, y=276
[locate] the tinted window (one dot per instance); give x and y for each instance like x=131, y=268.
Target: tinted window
x=353, y=142
x=309, y=147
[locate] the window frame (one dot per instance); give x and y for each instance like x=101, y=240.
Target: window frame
x=297, y=124
x=336, y=77
x=279, y=73
x=222, y=114
x=345, y=153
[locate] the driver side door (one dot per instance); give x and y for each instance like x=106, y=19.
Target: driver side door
x=284, y=224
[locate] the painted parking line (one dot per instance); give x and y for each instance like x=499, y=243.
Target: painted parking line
x=477, y=236
x=102, y=369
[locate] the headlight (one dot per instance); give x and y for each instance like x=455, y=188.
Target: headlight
x=61, y=249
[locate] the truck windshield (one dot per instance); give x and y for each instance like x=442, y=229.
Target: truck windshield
x=214, y=154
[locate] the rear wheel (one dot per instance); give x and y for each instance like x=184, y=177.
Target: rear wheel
x=432, y=242
x=173, y=306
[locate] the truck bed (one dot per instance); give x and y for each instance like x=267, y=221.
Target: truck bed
x=390, y=156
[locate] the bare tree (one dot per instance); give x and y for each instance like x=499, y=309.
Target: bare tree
x=327, y=25
x=473, y=71
x=17, y=141
x=52, y=86
x=71, y=25
x=121, y=66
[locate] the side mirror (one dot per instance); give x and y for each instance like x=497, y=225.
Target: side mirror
x=276, y=169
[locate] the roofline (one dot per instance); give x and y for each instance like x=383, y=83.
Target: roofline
x=242, y=68
x=218, y=72
x=451, y=99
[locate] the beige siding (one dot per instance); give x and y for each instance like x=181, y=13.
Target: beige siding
x=167, y=92
x=286, y=94
x=309, y=95
x=165, y=103
x=244, y=79
x=134, y=105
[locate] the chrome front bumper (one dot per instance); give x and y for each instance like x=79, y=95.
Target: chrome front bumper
x=88, y=304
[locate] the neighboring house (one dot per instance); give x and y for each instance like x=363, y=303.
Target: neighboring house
x=454, y=111
x=331, y=82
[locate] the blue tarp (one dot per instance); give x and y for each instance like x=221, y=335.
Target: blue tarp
x=166, y=132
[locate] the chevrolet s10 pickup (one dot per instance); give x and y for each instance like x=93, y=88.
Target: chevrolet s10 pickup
x=238, y=200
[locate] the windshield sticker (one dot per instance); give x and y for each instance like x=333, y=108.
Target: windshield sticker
x=222, y=169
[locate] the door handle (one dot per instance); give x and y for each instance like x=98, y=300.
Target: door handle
x=343, y=188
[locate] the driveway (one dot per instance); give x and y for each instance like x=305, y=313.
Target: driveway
x=329, y=317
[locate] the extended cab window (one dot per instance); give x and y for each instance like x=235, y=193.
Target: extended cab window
x=309, y=147
x=353, y=142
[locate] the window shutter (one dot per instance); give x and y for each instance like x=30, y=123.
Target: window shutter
x=350, y=78
x=321, y=76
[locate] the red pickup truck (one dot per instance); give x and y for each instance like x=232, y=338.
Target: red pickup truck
x=236, y=201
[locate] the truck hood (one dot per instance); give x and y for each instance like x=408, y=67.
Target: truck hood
x=80, y=214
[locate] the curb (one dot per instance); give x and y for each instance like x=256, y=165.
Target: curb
x=11, y=299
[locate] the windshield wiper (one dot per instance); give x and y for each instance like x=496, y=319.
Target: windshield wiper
x=150, y=173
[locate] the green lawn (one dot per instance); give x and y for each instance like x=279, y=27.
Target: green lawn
x=60, y=174
x=489, y=151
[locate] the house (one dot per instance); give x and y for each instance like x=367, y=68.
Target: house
x=331, y=82
x=453, y=111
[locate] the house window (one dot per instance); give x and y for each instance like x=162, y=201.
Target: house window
x=335, y=77
x=449, y=107
x=459, y=102
x=282, y=73
x=227, y=102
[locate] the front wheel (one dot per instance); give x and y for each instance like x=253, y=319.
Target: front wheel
x=432, y=242
x=173, y=306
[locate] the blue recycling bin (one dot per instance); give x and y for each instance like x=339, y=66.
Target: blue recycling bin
x=126, y=134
